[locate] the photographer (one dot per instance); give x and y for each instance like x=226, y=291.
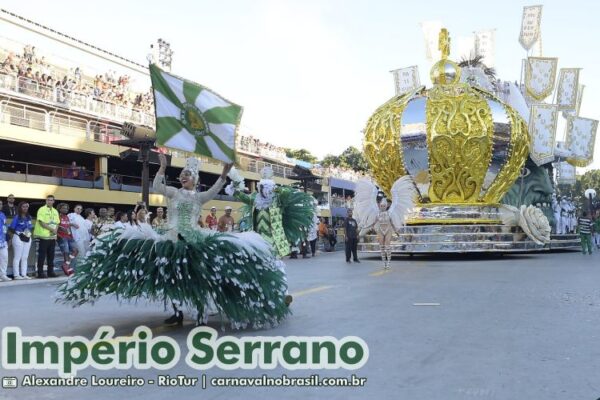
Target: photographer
x=20, y=229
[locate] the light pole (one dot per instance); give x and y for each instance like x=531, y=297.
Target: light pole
x=590, y=194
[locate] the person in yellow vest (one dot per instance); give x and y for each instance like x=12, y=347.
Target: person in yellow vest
x=45, y=230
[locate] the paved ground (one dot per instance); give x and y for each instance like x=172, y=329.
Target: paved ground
x=514, y=327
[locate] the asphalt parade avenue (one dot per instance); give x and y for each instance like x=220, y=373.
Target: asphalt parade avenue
x=513, y=327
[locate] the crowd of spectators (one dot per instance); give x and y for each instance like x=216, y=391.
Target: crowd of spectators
x=253, y=145
x=36, y=76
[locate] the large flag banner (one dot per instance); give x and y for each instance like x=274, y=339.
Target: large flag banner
x=530, y=26
x=568, y=83
x=193, y=118
x=540, y=76
x=580, y=138
x=406, y=79
x=542, y=132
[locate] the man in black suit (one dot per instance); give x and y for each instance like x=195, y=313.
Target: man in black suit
x=351, y=231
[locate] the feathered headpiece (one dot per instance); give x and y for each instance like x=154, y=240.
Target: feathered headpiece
x=192, y=164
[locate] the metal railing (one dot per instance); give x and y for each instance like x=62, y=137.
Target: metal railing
x=75, y=176
x=72, y=99
x=253, y=165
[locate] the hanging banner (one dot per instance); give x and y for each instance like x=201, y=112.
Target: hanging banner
x=406, y=79
x=575, y=112
x=530, y=26
x=565, y=174
x=540, y=76
x=431, y=32
x=542, y=132
x=566, y=95
x=580, y=139
x=485, y=46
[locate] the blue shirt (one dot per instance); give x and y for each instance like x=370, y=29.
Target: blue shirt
x=2, y=230
x=21, y=224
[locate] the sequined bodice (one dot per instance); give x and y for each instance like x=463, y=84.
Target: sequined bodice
x=384, y=223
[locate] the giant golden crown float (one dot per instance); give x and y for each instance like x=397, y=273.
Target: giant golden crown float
x=462, y=146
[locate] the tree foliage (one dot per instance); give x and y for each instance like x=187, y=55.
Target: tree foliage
x=351, y=158
x=301, y=154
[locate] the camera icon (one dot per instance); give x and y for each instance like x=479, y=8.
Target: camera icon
x=9, y=382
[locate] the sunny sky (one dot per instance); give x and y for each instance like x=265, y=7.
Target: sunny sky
x=310, y=73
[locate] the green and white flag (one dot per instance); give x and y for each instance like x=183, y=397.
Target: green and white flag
x=193, y=118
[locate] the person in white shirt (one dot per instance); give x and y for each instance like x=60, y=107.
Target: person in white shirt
x=122, y=219
x=90, y=216
x=78, y=229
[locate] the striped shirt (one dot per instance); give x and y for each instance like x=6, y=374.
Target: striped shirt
x=585, y=226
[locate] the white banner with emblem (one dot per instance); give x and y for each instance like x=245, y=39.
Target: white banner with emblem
x=542, y=132
x=565, y=173
x=580, y=139
x=530, y=26
x=540, y=76
x=568, y=83
x=406, y=79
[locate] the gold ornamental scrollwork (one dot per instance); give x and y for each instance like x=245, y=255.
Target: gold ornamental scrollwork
x=382, y=142
x=460, y=131
x=518, y=153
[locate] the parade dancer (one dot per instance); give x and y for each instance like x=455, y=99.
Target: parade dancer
x=385, y=221
x=187, y=265
x=277, y=213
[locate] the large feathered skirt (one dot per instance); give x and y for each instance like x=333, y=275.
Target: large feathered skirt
x=238, y=272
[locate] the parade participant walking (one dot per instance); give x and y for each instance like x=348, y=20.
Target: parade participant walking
x=226, y=222
x=585, y=232
x=351, y=232
x=45, y=230
x=187, y=265
x=385, y=221
x=3, y=248
x=212, y=222
x=21, y=229
x=596, y=233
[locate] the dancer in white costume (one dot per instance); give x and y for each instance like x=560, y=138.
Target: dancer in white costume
x=385, y=221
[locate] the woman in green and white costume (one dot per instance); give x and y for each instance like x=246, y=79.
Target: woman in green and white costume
x=278, y=213
x=187, y=264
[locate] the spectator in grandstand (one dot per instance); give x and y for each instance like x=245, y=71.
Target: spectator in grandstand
x=20, y=229
x=10, y=210
x=226, y=222
x=45, y=230
x=3, y=248
x=212, y=222
x=72, y=171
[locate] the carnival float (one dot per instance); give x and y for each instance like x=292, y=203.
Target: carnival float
x=483, y=153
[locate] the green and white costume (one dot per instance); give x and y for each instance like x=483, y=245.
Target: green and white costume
x=186, y=264
x=279, y=214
